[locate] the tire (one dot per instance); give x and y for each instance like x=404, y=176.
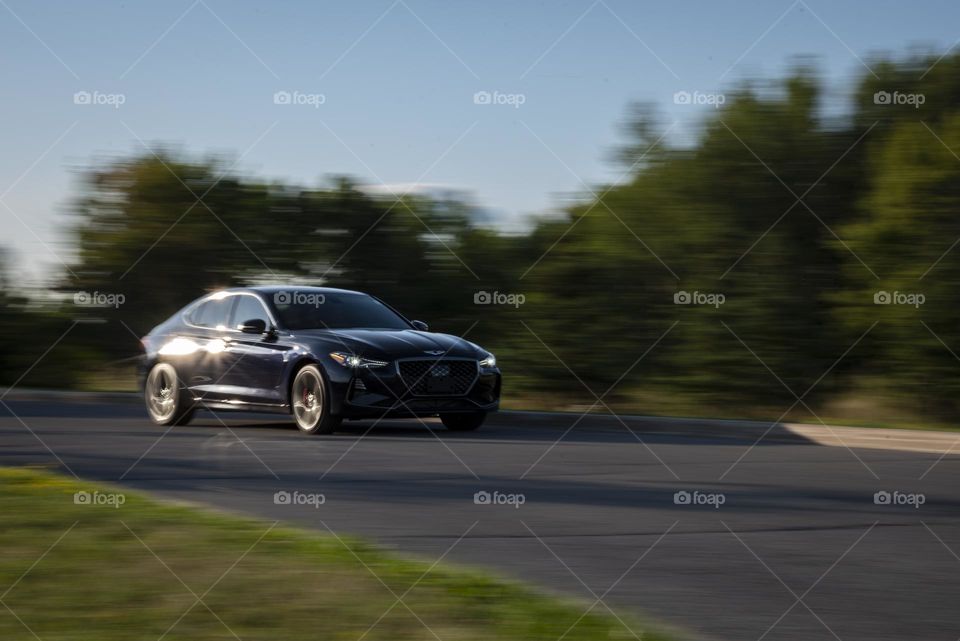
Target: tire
x=167, y=399
x=463, y=422
x=310, y=402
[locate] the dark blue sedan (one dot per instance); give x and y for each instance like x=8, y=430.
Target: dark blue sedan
x=320, y=354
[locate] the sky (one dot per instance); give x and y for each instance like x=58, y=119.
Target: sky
x=518, y=104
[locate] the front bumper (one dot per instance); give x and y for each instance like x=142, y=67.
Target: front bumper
x=367, y=393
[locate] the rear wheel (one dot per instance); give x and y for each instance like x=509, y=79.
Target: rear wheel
x=168, y=401
x=310, y=402
x=463, y=422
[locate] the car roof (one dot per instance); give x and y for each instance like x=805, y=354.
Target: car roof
x=273, y=289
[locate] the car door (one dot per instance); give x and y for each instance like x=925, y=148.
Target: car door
x=206, y=326
x=254, y=362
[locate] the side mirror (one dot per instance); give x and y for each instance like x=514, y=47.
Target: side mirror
x=253, y=326
x=420, y=326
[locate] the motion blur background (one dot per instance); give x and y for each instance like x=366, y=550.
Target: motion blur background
x=710, y=209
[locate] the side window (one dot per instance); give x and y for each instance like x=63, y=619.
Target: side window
x=248, y=308
x=213, y=313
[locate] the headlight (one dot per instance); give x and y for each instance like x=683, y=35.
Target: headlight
x=356, y=362
x=489, y=361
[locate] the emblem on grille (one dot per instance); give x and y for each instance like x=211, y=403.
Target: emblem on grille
x=433, y=352
x=440, y=370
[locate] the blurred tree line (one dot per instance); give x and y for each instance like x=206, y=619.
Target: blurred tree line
x=801, y=222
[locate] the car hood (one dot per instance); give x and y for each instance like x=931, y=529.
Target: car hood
x=387, y=344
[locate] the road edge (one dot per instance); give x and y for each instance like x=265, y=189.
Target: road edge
x=928, y=441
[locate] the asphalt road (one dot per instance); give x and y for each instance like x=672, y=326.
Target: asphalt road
x=797, y=550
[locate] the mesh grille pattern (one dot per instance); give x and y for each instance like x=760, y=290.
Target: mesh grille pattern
x=446, y=377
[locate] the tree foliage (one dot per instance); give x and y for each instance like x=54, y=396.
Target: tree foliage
x=796, y=217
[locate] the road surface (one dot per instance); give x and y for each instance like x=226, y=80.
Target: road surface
x=786, y=543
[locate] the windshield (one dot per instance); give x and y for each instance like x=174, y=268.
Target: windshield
x=304, y=309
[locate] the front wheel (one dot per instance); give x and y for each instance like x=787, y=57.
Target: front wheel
x=168, y=402
x=463, y=422
x=310, y=402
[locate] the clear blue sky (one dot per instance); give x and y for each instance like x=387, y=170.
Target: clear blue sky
x=202, y=76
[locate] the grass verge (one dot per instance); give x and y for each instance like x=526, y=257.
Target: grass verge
x=82, y=572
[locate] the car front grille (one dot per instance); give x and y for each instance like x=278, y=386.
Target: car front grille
x=443, y=377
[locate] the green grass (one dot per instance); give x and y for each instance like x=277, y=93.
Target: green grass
x=116, y=575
